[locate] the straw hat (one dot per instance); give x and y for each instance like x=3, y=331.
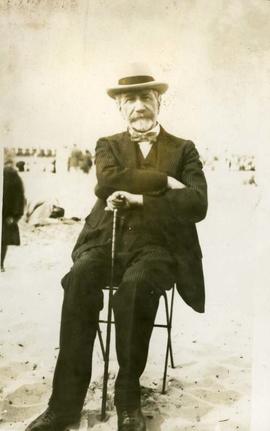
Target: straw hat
x=136, y=76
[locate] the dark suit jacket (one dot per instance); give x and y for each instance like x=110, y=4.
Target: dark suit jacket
x=175, y=212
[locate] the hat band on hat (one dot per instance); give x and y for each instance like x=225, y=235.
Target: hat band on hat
x=129, y=80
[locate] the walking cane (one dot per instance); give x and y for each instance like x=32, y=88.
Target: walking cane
x=109, y=323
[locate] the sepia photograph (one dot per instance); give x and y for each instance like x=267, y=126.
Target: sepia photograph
x=134, y=164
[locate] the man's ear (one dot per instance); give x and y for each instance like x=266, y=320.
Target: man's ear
x=159, y=101
x=158, y=97
x=118, y=102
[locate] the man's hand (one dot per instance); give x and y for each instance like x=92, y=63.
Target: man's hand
x=123, y=200
x=174, y=183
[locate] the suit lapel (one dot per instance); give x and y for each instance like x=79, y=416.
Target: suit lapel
x=168, y=154
x=127, y=151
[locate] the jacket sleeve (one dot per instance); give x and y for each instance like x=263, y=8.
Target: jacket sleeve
x=188, y=204
x=112, y=175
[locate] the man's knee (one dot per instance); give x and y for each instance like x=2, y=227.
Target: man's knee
x=86, y=271
x=83, y=284
x=145, y=283
x=138, y=296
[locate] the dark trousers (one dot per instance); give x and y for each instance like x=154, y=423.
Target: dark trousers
x=142, y=276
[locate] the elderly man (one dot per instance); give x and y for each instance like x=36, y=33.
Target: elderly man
x=156, y=182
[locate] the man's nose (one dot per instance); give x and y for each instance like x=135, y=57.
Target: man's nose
x=139, y=105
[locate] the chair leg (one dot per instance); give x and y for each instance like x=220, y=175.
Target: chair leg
x=170, y=350
x=170, y=326
x=101, y=343
x=107, y=358
x=169, y=345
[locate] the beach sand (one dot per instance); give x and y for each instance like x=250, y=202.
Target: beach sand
x=210, y=387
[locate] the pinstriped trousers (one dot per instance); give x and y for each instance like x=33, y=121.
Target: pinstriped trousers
x=142, y=277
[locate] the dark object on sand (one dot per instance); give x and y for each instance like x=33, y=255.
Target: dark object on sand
x=41, y=213
x=57, y=212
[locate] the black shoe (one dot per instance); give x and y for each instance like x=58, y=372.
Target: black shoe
x=50, y=421
x=131, y=420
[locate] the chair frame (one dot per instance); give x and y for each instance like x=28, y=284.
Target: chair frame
x=105, y=349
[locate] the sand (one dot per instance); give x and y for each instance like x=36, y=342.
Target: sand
x=210, y=388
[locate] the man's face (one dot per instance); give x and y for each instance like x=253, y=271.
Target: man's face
x=140, y=109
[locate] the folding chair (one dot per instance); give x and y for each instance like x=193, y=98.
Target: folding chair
x=106, y=349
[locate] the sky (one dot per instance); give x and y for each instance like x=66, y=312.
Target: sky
x=59, y=57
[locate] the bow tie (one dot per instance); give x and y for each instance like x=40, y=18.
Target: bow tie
x=150, y=136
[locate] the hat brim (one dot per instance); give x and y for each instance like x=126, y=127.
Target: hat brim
x=161, y=87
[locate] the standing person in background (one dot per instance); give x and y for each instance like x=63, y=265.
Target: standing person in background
x=75, y=158
x=12, y=210
x=86, y=162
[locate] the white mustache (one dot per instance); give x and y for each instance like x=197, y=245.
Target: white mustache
x=140, y=117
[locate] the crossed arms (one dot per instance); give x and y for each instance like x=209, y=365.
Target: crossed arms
x=183, y=197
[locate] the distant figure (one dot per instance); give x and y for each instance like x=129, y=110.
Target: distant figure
x=13, y=206
x=252, y=181
x=53, y=167
x=86, y=162
x=75, y=158
x=19, y=152
x=20, y=165
x=41, y=153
